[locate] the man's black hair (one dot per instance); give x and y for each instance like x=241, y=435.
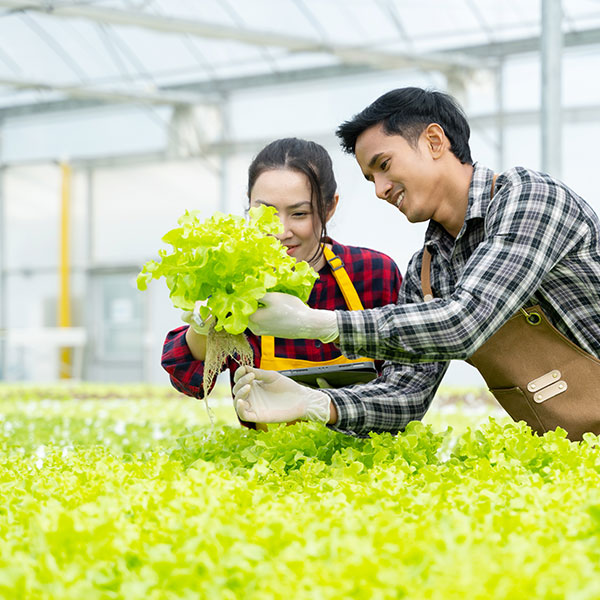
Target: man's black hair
x=407, y=112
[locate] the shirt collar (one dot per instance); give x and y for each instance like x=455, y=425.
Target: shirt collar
x=479, y=192
x=479, y=199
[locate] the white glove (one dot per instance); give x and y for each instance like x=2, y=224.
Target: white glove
x=270, y=397
x=193, y=319
x=286, y=316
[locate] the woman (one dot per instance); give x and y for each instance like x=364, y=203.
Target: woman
x=296, y=177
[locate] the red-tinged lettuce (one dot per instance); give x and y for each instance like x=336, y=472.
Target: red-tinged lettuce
x=231, y=263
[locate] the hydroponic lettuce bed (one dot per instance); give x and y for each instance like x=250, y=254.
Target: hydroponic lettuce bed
x=128, y=493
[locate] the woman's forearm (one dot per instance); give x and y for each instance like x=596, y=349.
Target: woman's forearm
x=196, y=343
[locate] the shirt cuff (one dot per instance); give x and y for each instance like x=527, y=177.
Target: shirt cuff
x=350, y=413
x=353, y=331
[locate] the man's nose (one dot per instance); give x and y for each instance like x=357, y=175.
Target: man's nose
x=382, y=187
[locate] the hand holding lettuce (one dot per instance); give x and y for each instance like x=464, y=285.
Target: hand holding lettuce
x=226, y=264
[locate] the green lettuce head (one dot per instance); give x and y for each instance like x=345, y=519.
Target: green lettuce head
x=231, y=263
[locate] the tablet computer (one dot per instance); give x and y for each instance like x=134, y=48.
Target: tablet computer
x=335, y=375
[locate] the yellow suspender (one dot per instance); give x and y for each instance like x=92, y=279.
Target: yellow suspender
x=341, y=276
x=268, y=359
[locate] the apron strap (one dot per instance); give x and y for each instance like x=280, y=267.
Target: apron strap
x=426, y=276
x=426, y=261
x=353, y=302
x=267, y=350
x=493, y=185
x=343, y=280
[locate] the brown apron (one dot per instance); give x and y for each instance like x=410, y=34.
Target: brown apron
x=537, y=374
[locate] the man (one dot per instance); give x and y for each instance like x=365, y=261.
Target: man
x=509, y=279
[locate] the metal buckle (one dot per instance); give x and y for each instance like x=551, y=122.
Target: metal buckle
x=533, y=318
x=340, y=266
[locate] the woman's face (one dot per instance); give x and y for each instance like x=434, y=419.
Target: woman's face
x=289, y=192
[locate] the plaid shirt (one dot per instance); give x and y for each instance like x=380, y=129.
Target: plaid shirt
x=535, y=242
x=376, y=279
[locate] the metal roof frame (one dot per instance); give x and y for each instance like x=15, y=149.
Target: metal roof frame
x=361, y=57
x=211, y=90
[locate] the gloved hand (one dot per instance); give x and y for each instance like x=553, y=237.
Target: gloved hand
x=286, y=316
x=269, y=397
x=193, y=319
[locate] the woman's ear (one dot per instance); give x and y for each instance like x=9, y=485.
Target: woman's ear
x=334, y=204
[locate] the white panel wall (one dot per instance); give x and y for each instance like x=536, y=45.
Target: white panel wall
x=85, y=134
x=135, y=205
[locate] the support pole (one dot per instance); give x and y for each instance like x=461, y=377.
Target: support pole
x=90, y=248
x=456, y=83
x=3, y=289
x=500, y=123
x=64, y=297
x=551, y=125
x=224, y=158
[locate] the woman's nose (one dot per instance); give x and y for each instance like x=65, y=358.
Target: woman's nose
x=286, y=230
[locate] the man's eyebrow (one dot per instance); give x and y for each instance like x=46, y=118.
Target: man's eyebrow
x=371, y=164
x=374, y=160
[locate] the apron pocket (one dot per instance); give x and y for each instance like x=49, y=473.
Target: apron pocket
x=518, y=406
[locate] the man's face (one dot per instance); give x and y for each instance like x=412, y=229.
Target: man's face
x=403, y=175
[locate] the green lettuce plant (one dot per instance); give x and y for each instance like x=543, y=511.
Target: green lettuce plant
x=95, y=505
x=231, y=263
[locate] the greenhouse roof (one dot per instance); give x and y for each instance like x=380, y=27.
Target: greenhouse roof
x=58, y=54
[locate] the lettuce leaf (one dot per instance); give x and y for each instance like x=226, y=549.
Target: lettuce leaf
x=230, y=262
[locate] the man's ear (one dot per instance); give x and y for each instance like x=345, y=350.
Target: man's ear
x=436, y=140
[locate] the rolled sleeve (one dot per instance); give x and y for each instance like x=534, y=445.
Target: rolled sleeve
x=185, y=372
x=528, y=230
x=402, y=394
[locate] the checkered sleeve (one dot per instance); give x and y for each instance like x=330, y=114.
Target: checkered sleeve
x=529, y=227
x=186, y=373
x=401, y=394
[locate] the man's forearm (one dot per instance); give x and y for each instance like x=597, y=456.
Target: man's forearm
x=411, y=333
x=333, y=416
x=400, y=395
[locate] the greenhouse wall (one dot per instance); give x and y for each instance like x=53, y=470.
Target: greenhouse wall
x=128, y=189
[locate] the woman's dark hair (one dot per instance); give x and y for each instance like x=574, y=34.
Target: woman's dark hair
x=305, y=157
x=407, y=112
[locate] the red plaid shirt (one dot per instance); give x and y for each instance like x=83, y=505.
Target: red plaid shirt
x=376, y=279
